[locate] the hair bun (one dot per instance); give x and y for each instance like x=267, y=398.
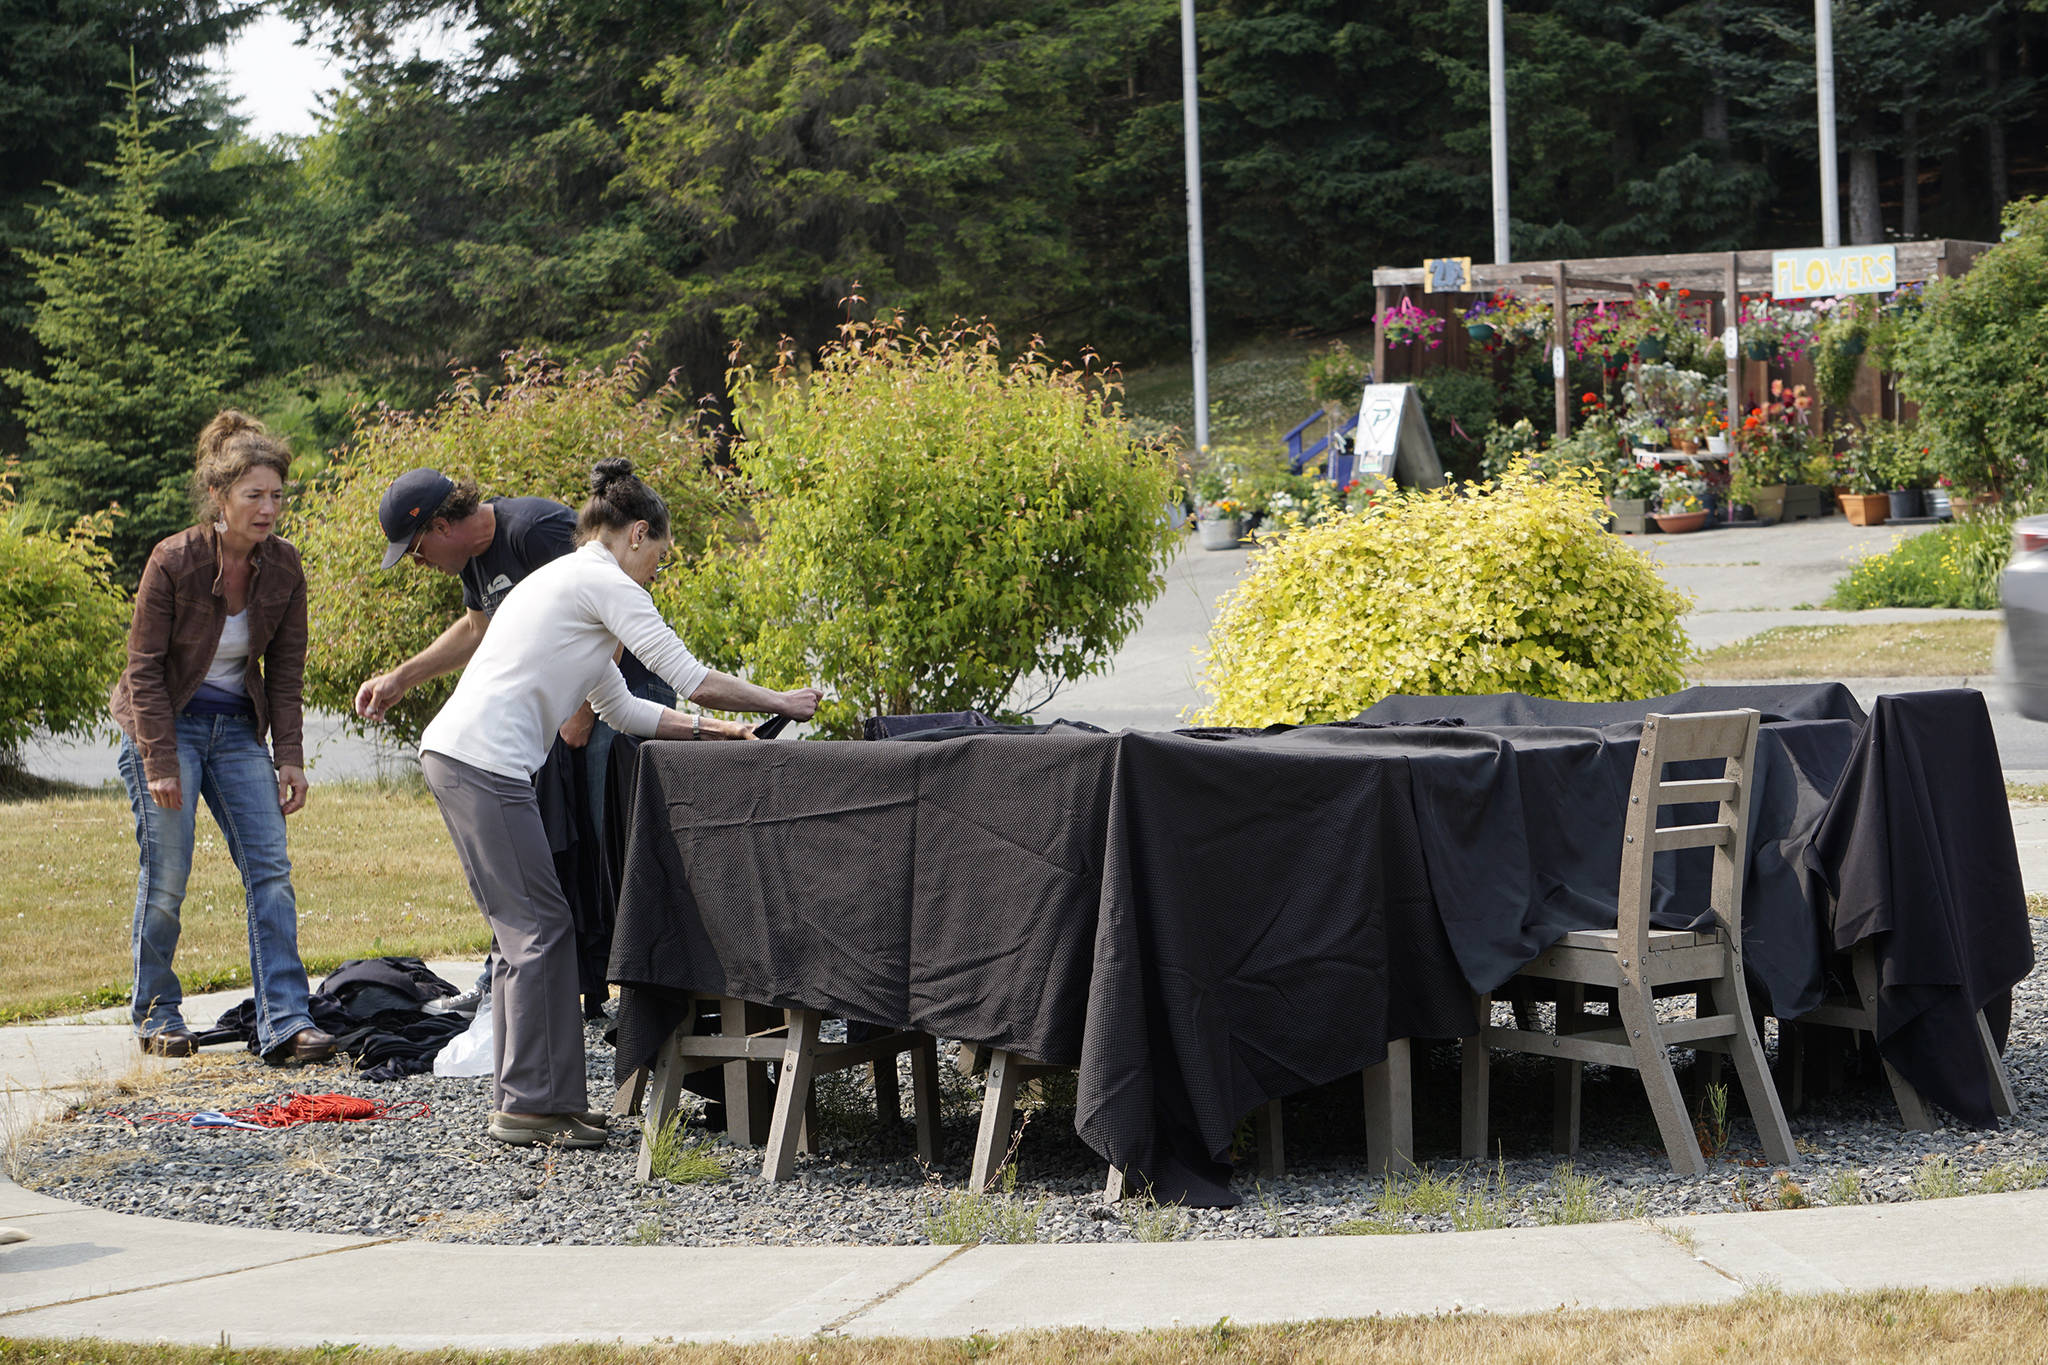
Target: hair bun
x=225, y=426
x=607, y=472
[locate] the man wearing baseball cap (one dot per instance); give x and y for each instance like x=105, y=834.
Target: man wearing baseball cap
x=491, y=545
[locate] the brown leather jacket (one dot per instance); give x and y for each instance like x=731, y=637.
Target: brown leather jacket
x=179, y=611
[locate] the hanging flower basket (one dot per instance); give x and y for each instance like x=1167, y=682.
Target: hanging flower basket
x=1479, y=331
x=1650, y=348
x=1761, y=350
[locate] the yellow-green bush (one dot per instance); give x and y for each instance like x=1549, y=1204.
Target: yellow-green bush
x=62, y=621
x=535, y=435
x=1507, y=586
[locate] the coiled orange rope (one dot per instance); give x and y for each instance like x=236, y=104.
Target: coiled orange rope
x=292, y=1109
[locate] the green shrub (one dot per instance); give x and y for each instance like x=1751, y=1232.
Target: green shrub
x=1957, y=565
x=62, y=624
x=1974, y=362
x=1459, y=406
x=1512, y=585
x=937, y=528
x=537, y=434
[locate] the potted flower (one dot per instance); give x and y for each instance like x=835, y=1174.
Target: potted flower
x=1635, y=491
x=1221, y=523
x=1479, y=320
x=1865, y=503
x=1681, y=504
x=1404, y=325
x=1776, y=446
x=1517, y=319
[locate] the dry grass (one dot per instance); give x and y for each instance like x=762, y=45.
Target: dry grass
x=371, y=865
x=1917, y=649
x=1988, y=1326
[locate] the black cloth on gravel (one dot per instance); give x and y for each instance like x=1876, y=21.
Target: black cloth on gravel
x=1207, y=923
x=1918, y=850
x=373, y=1008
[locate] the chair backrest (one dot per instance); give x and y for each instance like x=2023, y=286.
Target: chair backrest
x=1726, y=735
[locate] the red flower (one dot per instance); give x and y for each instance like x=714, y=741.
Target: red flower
x=1589, y=398
x=1685, y=293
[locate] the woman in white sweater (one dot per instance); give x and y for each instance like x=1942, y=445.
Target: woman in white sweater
x=551, y=645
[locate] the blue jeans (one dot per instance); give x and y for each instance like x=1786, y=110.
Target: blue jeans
x=220, y=760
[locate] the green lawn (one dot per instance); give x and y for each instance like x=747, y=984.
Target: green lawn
x=371, y=865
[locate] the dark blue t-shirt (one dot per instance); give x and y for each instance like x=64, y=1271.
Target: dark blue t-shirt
x=531, y=532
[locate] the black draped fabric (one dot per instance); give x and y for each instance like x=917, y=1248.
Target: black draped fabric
x=561, y=788
x=949, y=887
x=1918, y=849
x=1778, y=701
x=1266, y=927
x=1206, y=922
x=373, y=1007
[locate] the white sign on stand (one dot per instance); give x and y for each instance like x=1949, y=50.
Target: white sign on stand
x=1393, y=441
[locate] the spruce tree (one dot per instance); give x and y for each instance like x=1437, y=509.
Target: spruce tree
x=139, y=342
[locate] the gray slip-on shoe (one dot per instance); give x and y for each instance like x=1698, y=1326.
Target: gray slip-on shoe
x=559, y=1130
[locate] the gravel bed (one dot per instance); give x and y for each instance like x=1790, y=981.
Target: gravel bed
x=441, y=1177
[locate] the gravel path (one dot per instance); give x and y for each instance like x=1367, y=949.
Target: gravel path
x=440, y=1177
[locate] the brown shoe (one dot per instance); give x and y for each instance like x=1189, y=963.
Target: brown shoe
x=307, y=1045
x=170, y=1042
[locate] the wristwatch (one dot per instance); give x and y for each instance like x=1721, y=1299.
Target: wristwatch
x=696, y=725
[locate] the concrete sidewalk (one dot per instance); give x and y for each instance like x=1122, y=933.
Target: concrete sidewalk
x=88, y=1273
x=84, y=1272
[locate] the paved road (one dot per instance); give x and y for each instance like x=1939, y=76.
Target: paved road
x=1745, y=581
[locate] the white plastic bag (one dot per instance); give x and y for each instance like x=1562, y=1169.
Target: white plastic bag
x=468, y=1053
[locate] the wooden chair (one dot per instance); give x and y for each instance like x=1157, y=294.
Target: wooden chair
x=1859, y=1012
x=1636, y=962
x=749, y=1037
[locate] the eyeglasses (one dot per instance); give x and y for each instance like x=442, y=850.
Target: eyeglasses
x=412, y=551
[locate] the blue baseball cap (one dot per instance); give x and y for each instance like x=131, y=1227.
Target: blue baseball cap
x=409, y=504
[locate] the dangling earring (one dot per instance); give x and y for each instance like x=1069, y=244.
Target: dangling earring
x=220, y=524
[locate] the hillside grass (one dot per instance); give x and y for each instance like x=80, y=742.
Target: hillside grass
x=372, y=868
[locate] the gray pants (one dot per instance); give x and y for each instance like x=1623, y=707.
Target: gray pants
x=536, y=1021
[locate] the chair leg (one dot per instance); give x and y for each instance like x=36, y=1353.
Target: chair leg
x=747, y=1093
x=807, y=1137
x=1567, y=1078
x=792, y=1095
x=1912, y=1109
x=998, y=1101
x=1638, y=1016
x=924, y=1093
x=1474, y=1083
x=1113, y=1186
x=1271, y=1138
x=660, y=1102
x=2003, y=1103
x=888, y=1092
x=1390, y=1112
x=1747, y=1052
x=626, y=1100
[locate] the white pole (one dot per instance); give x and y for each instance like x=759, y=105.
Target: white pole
x=1192, y=136
x=1824, y=82
x=1497, y=81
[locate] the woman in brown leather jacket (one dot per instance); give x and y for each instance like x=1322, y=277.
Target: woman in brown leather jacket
x=215, y=656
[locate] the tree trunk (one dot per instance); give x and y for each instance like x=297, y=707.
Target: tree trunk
x=1909, y=175
x=1714, y=119
x=1866, y=213
x=1994, y=135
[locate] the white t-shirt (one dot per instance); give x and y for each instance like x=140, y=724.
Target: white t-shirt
x=231, y=655
x=548, y=647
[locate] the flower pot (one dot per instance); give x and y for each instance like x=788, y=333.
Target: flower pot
x=1850, y=345
x=1905, y=503
x=1479, y=331
x=1717, y=445
x=1760, y=350
x=1220, y=533
x=1787, y=501
x=1937, y=503
x=1650, y=348
x=1631, y=515
x=1866, y=509
x=1679, y=523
